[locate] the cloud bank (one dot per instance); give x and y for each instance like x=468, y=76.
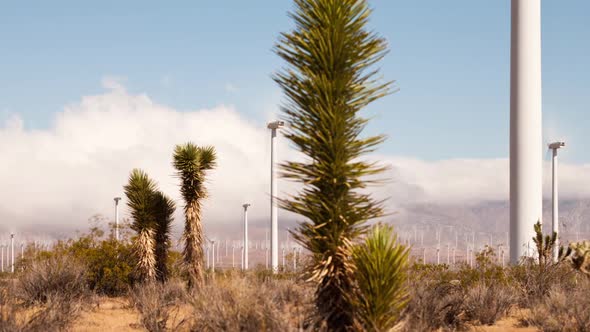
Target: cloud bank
x=60, y=176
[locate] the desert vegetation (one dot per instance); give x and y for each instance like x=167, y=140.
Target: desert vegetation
x=356, y=276
x=58, y=288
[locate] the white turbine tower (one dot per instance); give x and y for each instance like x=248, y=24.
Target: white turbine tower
x=245, y=267
x=274, y=227
x=213, y=257
x=554, y=199
x=117, y=199
x=526, y=148
x=12, y=252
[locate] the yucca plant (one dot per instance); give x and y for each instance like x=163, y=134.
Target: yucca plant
x=164, y=208
x=327, y=82
x=381, y=265
x=140, y=192
x=192, y=163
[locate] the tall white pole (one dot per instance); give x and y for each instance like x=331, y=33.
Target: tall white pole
x=207, y=254
x=213, y=257
x=266, y=248
x=117, y=199
x=555, y=197
x=274, y=228
x=12, y=253
x=242, y=254
x=555, y=205
x=2, y=259
x=245, y=267
x=526, y=152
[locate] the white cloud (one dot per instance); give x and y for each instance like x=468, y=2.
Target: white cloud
x=62, y=175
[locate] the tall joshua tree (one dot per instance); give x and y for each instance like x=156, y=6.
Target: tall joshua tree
x=327, y=81
x=164, y=208
x=140, y=192
x=192, y=163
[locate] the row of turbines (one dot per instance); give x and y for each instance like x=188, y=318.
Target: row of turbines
x=224, y=253
x=7, y=255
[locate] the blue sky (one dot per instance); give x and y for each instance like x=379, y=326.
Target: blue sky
x=450, y=60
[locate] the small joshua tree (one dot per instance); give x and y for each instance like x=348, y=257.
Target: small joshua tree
x=192, y=163
x=381, y=265
x=140, y=192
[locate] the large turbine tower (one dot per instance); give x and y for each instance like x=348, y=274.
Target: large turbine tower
x=526, y=141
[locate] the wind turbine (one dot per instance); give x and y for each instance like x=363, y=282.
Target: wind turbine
x=554, y=199
x=117, y=199
x=526, y=137
x=12, y=252
x=245, y=258
x=274, y=227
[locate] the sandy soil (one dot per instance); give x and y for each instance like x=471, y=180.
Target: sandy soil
x=111, y=315
x=115, y=314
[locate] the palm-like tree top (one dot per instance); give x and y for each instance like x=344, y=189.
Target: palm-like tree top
x=140, y=192
x=191, y=161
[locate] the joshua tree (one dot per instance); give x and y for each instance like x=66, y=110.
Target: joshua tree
x=327, y=82
x=381, y=264
x=164, y=208
x=192, y=163
x=140, y=192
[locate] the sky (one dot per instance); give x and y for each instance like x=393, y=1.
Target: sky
x=90, y=90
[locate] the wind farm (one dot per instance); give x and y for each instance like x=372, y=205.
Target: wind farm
x=295, y=165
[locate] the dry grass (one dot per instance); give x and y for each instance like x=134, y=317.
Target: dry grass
x=563, y=309
x=435, y=305
x=59, y=276
x=486, y=304
x=157, y=302
x=247, y=304
x=48, y=296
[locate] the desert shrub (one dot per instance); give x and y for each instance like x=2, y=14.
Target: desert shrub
x=534, y=282
x=8, y=311
x=247, y=304
x=55, y=288
x=109, y=263
x=58, y=276
x=564, y=309
x=156, y=302
x=486, y=303
x=435, y=305
x=57, y=314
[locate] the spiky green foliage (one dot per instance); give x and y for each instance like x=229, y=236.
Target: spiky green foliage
x=381, y=265
x=545, y=244
x=578, y=254
x=327, y=81
x=192, y=163
x=164, y=208
x=140, y=192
